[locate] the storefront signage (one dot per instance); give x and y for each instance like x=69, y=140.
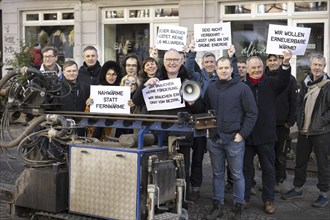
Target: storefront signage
x=171, y=37
x=212, y=36
x=110, y=99
x=287, y=38
x=164, y=95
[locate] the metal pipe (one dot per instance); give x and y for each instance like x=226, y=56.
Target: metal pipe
x=151, y=201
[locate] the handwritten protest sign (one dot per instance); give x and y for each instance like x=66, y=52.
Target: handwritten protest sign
x=212, y=36
x=164, y=95
x=170, y=36
x=287, y=38
x=110, y=99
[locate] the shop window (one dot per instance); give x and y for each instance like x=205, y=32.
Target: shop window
x=166, y=12
x=310, y=6
x=250, y=37
x=50, y=16
x=142, y=13
x=122, y=39
x=238, y=9
x=61, y=37
x=32, y=17
x=68, y=16
x=114, y=14
x=272, y=8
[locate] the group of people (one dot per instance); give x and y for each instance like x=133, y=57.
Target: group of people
x=255, y=106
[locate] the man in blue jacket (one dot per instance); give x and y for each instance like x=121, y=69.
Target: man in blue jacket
x=236, y=114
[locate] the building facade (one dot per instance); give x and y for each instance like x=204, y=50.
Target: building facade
x=119, y=27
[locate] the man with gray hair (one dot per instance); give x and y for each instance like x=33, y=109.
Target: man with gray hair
x=313, y=121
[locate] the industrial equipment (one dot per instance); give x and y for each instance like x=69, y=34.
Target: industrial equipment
x=69, y=175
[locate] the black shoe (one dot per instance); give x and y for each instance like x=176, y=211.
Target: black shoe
x=193, y=196
x=216, y=211
x=237, y=210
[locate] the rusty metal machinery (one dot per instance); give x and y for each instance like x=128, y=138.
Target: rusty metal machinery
x=100, y=179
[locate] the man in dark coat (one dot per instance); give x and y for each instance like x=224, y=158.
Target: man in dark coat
x=89, y=71
x=262, y=139
x=313, y=121
x=286, y=113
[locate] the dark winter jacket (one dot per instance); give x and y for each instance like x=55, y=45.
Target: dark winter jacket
x=320, y=122
x=235, y=108
x=286, y=102
x=265, y=93
x=89, y=75
x=74, y=96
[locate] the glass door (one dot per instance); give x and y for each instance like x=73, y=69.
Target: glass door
x=318, y=42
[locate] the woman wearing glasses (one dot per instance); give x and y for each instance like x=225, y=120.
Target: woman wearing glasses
x=110, y=75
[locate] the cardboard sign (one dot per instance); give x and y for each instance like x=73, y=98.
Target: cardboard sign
x=171, y=37
x=164, y=95
x=212, y=36
x=110, y=99
x=287, y=38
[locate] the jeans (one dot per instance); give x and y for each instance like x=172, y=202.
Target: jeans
x=321, y=145
x=266, y=154
x=199, y=148
x=234, y=152
x=280, y=153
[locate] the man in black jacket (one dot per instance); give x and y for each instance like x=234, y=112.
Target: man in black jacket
x=262, y=139
x=285, y=118
x=74, y=93
x=313, y=123
x=89, y=71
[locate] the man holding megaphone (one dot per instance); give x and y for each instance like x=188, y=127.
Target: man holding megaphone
x=173, y=69
x=236, y=113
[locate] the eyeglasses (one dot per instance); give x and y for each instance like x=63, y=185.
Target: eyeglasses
x=131, y=65
x=48, y=57
x=130, y=83
x=169, y=60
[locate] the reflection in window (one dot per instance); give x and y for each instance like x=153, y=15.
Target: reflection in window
x=250, y=37
x=143, y=13
x=32, y=17
x=61, y=37
x=122, y=39
x=114, y=14
x=238, y=9
x=67, y=16
x=166, y=12
x=310, y=6
x=50, y=16
x=272, y=8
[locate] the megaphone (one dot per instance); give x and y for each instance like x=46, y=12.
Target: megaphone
x=190, y=91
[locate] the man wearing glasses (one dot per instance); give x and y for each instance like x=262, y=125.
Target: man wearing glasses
x=49, y=64
x=173, y=69
x=131, y=65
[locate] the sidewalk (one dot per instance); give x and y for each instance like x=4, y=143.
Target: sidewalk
x=286, y=210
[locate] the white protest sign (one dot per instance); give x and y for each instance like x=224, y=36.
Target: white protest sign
x=212, y=36
x=110, y=99
x=170, y=36
x=164, y=95
x=287, y=38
